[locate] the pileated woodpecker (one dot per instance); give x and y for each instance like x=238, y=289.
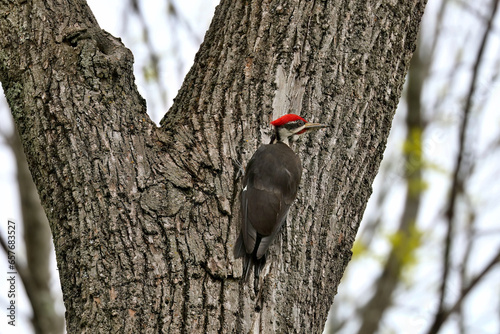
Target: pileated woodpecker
x=270, y=186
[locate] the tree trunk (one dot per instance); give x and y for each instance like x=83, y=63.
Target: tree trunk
x=144, y=218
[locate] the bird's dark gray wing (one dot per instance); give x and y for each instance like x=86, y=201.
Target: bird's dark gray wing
x=248, y=232
x=270, y=186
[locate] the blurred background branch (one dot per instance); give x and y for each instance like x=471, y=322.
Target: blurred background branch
x=458, y=180
x=35, y=272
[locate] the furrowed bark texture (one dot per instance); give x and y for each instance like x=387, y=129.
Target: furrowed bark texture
x=144, y=218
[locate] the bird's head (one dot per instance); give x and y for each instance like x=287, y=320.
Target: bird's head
x=290, y=126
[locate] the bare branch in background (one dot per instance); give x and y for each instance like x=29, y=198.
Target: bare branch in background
x=468, y=6
x=458, y=178
x=152, y=69
x=465, y=292
x=173, y=12
x=372, y=312
x=38, y=241
x=469, y=243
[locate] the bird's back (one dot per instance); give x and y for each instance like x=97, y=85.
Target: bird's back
x=270, y=185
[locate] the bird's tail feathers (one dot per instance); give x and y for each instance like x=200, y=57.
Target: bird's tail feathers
x=247, y=266
x=238, y=252
x=249, y=260
x=257, y=264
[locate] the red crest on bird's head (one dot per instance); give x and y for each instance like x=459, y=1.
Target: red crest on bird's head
x=287, y=118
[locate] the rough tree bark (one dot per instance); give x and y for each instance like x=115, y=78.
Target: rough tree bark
x=143, y=217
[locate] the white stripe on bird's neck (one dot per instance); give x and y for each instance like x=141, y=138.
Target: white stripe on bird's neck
x=286, y=136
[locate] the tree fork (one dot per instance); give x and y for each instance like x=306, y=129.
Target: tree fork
x=144, y=218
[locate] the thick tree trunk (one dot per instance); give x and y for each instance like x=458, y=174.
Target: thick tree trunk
x=144, y=218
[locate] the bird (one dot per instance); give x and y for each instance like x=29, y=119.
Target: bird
x=270, y=186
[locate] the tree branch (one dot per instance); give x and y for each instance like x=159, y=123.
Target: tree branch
x=465, y=292
x=457, y=181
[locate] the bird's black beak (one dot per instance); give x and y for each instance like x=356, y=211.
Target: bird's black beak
x=314, y=126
